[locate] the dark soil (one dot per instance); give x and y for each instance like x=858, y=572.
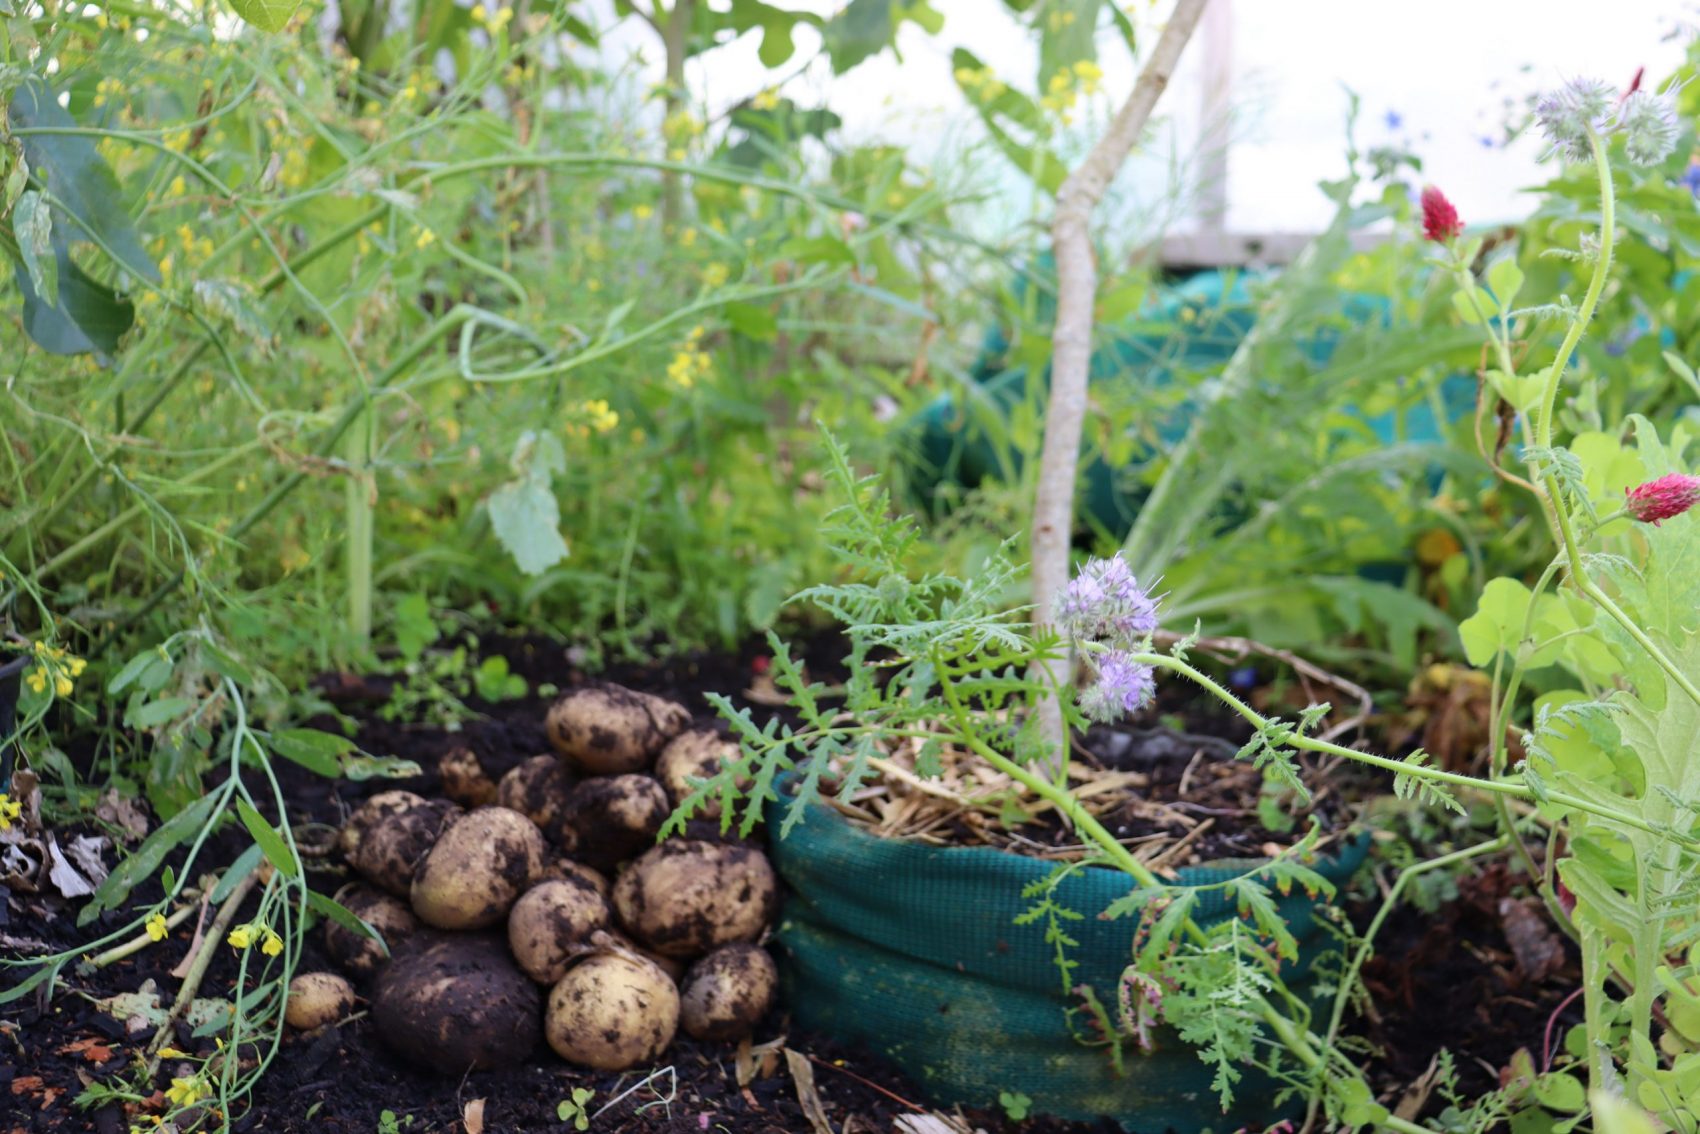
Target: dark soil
x=1449, y=979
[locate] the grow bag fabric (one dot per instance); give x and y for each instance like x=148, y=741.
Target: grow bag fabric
x=912, y=952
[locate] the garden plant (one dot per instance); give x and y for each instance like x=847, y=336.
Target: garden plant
x=476, y=515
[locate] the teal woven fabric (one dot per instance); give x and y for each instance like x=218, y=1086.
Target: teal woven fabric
x=911, y=951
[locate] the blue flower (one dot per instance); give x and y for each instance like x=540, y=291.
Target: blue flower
x=1394, y=119
x=1691, y=177
x=1123, y=686
x=1105, y=603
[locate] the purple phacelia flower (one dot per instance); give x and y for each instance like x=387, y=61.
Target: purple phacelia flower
x=1648, y=124
x=1123, y=686
x=1571, y=115
x=1105, y=603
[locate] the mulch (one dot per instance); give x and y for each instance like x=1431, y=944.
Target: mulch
x=1454, y=977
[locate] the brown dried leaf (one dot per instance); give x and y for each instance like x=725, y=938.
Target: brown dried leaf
x=123, y=814
x=472, y=1117
x=803, y=1075
x=1536, y=945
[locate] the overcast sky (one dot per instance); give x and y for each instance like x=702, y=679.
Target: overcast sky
x=1435, y=76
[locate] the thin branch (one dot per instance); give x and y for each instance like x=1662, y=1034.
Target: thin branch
x=1071, y=342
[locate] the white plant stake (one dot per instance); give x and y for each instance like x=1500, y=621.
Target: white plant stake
x=1071, y=344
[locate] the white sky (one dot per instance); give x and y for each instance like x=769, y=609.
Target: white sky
x=1444, y=67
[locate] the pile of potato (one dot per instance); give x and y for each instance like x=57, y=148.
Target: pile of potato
x=539, y=904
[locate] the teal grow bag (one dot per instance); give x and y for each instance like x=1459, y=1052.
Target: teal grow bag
x=912, y=952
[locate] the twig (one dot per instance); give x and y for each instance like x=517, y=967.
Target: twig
x=896, y=1098
x=203, y=961
x=141, y=941
x=1231, y=649
x=1071, y=358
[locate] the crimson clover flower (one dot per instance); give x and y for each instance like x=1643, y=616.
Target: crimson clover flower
x=1441, y=222
x=1106, y=603
x=1659, y=500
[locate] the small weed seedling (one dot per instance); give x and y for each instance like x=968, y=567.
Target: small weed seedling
x=575, y=1109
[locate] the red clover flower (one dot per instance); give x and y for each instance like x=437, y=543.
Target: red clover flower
x=1441, y=222
x=1659, y=500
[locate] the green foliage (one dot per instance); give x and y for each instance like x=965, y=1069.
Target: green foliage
x=576, y=1109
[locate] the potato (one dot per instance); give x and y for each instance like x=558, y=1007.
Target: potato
x=464, y=778
x=609, y=819
x=317, y=999
x=725, y=994
x=537, y=788
x=552, y=924
x=686, y=896
x=458, y=1004
x=355, y=953
x=607, y=730
x=388, y=834
x=612, y=1012
x=697, y=754
x=471, y=877
x=559, y=867
x=613, y=941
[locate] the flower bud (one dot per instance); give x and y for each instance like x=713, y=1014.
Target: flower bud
x=1648, y=124
x=1659, y=500
x=1441, y=222
x=1570, y=116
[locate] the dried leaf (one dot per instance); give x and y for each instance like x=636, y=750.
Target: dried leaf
x=122, y=813
x=1537, y=946
x=66, y=878
x=803, y=1075
x=86, y=852
x=472, y=1117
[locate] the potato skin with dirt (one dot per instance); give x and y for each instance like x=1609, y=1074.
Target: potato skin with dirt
x=386, y=836
x=725, y=994
x=356, y=954
x=608, y=730
x=686, y=897
x=479, y=865
x=558, y=867
x=465, y=779
x=317, y=999
x=698, y=754
x=608, y=819
x=612, y=1012
x=537, y=788
x=458, y=1004
x=551, y=926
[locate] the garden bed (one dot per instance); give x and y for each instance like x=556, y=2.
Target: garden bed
x=344, y=1079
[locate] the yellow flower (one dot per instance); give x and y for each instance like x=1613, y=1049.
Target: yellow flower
x=186, y=1092
x=77, y=665
x=157, y=931
x=37, y=680
x=425, y=239
x=600, y=417
x=715, y=274
x=766, y=100
x=272, y=945
x=10, y=809
x=62, y=685
x=642, y=212
x=172, y=1053
x=479, y=13
x=241, y=937
x=688, y=238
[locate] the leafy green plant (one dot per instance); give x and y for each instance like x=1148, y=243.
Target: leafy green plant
x=576, y=1109
x=1015, y=1104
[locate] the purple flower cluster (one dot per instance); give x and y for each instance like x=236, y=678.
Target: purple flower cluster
x=1105, y=604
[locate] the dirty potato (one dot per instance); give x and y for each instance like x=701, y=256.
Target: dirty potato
x=612, y=1012
x=695, y=755
x=686, y=896
x=608, y=819
x=465, y=779
x=607, y=730
x=537, y=788
x=386, y=836
x=558, y=866
x=725, y=994
x=552, y=924
x=317, y=999
x=479, y=865
x=458, y=1004
x=357, y=954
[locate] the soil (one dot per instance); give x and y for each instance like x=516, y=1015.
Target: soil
x=1497, y=982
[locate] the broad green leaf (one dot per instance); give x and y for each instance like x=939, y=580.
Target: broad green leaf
x=1067, y=35
x=1505, y=280
x=89, y=318
x=752, y=322
x=238, y=870
x=1616, y=1115
x=269, y=841
x=1498, y=622
x=317, y=751
x=267, y=15
x=343, y=917
x=858, y=32
x=155, y=713
x=524, y=513
x=69, y=168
